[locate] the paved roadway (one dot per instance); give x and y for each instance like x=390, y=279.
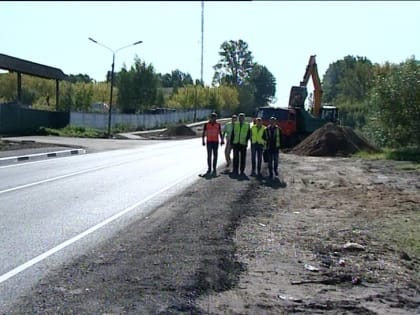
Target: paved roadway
x=55, y=209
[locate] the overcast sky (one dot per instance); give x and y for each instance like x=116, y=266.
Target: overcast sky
x=281, y=34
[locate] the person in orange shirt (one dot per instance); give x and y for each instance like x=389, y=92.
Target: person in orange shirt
x=212, y=131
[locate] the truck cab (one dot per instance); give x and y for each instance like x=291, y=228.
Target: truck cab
x=329, y=113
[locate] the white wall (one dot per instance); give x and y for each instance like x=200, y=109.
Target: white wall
x=135, y=121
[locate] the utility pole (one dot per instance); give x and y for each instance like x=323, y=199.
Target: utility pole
x=202, y=40
x=202, y=52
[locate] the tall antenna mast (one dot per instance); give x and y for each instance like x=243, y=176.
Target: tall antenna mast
x=202, y=39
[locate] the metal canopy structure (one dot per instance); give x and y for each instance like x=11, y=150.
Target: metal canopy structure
x=21, y=66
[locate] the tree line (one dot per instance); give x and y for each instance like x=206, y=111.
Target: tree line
x=239, y=84
x=383, y=101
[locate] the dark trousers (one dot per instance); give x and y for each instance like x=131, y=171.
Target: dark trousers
x=239, y=158
x=256, y=156
x=273, y=161
x=212, y=148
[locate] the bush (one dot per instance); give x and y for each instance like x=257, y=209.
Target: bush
x=353, y=114
x=121, y=128
x=405, y=154
x=72, y=131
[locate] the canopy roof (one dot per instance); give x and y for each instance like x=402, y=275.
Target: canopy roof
x=27, y=67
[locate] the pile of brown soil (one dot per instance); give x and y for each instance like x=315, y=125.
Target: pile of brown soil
x=333, y=140
x=178, y=130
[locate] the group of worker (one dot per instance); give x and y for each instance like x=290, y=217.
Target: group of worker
x=236, y=134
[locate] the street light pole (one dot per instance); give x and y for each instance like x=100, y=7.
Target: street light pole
x=112, y=76
x=110, y=95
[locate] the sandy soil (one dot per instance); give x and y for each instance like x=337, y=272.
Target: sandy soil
x=329, y=237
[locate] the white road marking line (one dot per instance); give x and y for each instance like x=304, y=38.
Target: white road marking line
x=52, y=179
x=67, y=175
x=29, y=162
x=63, y=245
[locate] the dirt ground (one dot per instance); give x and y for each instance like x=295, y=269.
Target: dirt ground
x=333, y=235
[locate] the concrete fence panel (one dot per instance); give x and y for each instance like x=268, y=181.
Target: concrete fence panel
x=136, y=121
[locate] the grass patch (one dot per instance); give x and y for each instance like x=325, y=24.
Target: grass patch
x=408, y=166
x=73, y=131
x=371, y=156
x=411, y=154
x=119, y=128
x=405, y=154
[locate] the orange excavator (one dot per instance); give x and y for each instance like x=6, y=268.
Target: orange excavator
x=299, y=94
x=312, y=71
x=295, y=121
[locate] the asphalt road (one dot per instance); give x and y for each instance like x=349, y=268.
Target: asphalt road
x=63, y=146
x=56, y=209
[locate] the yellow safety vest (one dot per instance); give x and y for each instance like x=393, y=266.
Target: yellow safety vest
x=257, y=134
x=240, y=133
x=227, y=130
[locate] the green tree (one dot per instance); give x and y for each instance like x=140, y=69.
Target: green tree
x=7, y=87
x=38, y=92
x=175, y=79
x=348, y=80
x=160, y=99
x=66, y=97
x=76, y=96
x=264, y=85
x=229, y=99
x=235, y=64
x=101, y=92
x=29, y=95
x=82, y=96
x=137, y=87
x=213, y=100
x=188, y=97
x=331, y=81
x=216, y=98
x=74, y=78
x=165, y=80
x=396, y=103
x=246, y=99
x=180, y=79
x=127, y=96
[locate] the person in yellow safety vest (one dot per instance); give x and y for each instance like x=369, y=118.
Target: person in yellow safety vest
x=227, y=133
x=272, y=136
x=257, y=146
x=240, y=136
x=212, y=131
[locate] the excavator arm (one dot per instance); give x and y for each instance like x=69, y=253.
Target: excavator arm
x=312, y=71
